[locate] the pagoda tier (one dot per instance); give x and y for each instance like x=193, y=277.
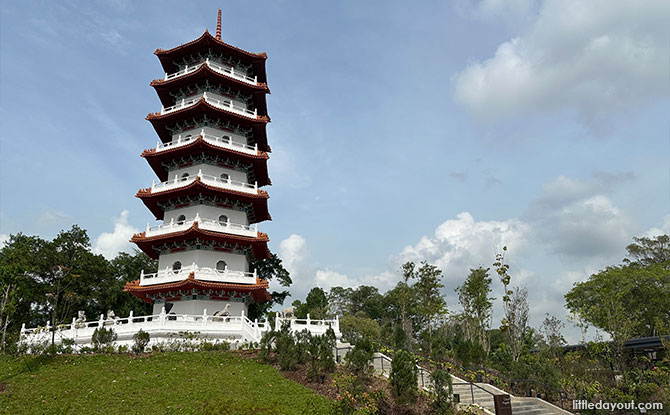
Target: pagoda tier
x=189, y=287
x=196, y=191
x=203, y=111
x=209, y=76
x=211, y=234
x=218, y=150
x=207, y=45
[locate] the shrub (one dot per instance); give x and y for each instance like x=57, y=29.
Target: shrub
x=266, y=346
x=287, y=353
x=404, y=378
x=326, y=358
x=141, y=339
x=354, y=400
x=442, y=391
x=360, y=358
x=103, y=338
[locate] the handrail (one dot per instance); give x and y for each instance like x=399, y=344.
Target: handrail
x=217, y=181
x=225, y=70
x=224, y=104
x=223, y=141
x=199, y=273
x=216, y=224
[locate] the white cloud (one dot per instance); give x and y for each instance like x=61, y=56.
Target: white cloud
x=664, y=229
x=462, y=243
x=509, y=11
x=3, y=239
x=327, y=279
x=293, y=252
x=52, y=217
x=576, y=219
x=587, y=56
x=109, y=244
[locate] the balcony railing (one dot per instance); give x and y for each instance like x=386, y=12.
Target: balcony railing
x=200, y=273
x=208, y=224
x=224, y=142
x=222, y=69
x=224, y=183
x=225, y=104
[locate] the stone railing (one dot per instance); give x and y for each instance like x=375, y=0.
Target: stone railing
x=318, y=327
x=161, y=327
x=225, y=104
x=208, y=224
x=224, y=142
x=199, y=273
x=222, y=69
x=208, y=179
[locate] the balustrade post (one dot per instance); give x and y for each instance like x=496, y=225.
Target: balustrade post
x=153, y=185
x=232, y=70
x=101, y=322
x=197, y=217
x=200, y=173
x=23, y=328
x=204, y=318
x=204, y=95
x=255, y=273
x=176, y=178
x=256, y=147
x=161, y=316
x=171, y=221
x=162, y=109
x=255, y=79
x=158, y=144
x=141, y=277
x=202, y=132
x=183, y=102
x=166, y=75
x=255, y=185
x=130, y=317
x=277, y=322
x=308, y=321
x=148, y=227
x=337, y=323
x=255, y=112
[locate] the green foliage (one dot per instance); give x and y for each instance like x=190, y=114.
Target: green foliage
x=354, y=400
x=270, y=269
x=287, y=353
x=470, y=352
x=141, y=340
x=442, y=391
x=647, y=251
x=404, y=378
x=360, y=358
x=355, y=326
x=186, y=383
x=316, y=305
x=103, y=338
x=400, y=339
x=477, y=305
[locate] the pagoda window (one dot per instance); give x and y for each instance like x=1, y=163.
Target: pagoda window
x=181, y=219
x=225, y=177
x=176, y=267
x=221, y=266
x=223, y=219
x=184, y=177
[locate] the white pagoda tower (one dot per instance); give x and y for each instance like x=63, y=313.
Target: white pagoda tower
x=211, y=162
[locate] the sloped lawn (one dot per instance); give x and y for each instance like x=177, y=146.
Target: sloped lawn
x=161, y=383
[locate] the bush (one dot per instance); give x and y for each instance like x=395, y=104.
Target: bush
x=360, y=358
x=141, y=339
x=103, y=338
x=287, y=353
x=442, y=391
x=404, y=378
x=327, y=345
x=266, y=346
x=354, y=400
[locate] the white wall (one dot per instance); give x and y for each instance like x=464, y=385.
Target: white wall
x=204, y=259
x=197, y=307
x=208, y=169
x=212, y=131
x=207, y=212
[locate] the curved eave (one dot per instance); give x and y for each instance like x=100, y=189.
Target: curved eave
x=259, y=201
x=160, y=122
x=259, y=244
x=259, y=291
x=206, y=41
x=204, y=72
x=258, y=161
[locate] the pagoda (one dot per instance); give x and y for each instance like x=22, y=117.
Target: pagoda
x=211, y=162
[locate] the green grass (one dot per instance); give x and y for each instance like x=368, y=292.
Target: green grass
x=163, y=383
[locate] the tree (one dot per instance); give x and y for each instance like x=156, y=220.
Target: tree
x=552, y=328
x=516, y=318
x=474, y=298
x=339, y=301
x=442, y=391
x=502, y=269
x=646, y=251
x=355, y=326
x=406, y=296
x=431, y=303
x=404, y=378
x=270, y=269
x=316, y=304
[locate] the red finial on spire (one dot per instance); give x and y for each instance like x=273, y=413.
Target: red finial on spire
x=218, y=26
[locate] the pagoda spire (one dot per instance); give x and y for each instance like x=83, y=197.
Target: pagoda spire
x=218, y=26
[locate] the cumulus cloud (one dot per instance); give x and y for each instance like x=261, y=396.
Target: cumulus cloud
x=663, y=229
x=109, y=244
x=327, y=279
x=3, y=239
x=576, y=219
x=293, y=252
x=463, y=243
x=585, y=56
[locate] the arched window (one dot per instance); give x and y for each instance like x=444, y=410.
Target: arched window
x=184, y=177
x=221, y=266
x=181, y=219
x=176, y=267
x=225, y=177
x=223, y=219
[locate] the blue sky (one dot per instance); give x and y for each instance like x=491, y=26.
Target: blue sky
x=429, y=130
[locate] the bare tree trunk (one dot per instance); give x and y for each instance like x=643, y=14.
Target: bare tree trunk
x=5, y=300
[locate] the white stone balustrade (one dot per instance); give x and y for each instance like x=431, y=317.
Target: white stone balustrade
x=223, y=142
x=161, y=328
x=225, y=104
x=208, y=179
x=208, y=224
x=199, y=273
x=317, y=327
x=220, y=68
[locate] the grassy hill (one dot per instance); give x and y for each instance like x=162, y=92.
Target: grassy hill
x=162, y=383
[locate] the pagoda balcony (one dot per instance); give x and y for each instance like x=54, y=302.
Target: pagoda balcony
x=168, y=275
x=225, y=70
x=223, y=142
x=207, y=224
x=224, y=104
x=215, y=181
